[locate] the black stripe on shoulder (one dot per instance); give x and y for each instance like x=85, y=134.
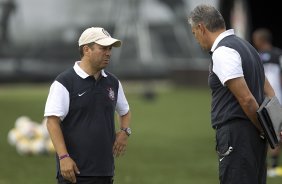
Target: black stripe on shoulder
x=66, y=78
x=111, y=75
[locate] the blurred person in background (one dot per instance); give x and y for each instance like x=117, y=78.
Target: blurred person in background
x=7, y=8
x=272, y=61
x=80, y=112
x=238, y=87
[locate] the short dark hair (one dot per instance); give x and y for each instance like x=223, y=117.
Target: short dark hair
x=209, y=16
x=81, y=48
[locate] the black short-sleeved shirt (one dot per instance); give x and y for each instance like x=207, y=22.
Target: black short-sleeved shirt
x=238, y=54
x=86, y=108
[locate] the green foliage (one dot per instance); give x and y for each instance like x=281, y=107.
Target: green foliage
x=172, y=141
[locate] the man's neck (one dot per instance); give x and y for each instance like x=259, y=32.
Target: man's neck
x=90, y=70
x=214, y=35
x=97, y=75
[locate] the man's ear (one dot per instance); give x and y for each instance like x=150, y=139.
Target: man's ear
x=202, y=28
x=86, y=49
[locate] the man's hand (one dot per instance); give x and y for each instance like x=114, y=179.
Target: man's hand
x=120, y=143
x=69, y=169
x=281, y=136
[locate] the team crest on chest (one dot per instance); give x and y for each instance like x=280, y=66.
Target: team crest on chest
x=111, y=93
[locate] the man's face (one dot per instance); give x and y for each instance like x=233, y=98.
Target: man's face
x=199, y=33
x=257, y=42
x=99, y=56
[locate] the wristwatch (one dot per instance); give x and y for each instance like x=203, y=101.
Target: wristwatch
x=127, y=131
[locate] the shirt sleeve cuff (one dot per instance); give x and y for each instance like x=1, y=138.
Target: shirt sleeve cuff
x=231, y=77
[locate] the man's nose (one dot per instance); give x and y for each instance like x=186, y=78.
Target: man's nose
x=109, y=51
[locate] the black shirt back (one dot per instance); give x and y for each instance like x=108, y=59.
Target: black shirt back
x=225, y=106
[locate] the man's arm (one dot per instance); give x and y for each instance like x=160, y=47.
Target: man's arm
x=121, y=136
x=245, y=98
x=125, y=120
x=55, y=132
x=67, y=165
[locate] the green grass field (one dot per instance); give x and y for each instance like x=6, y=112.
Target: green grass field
x=172, y=141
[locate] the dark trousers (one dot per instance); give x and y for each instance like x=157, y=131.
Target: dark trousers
x=242, y=153
x=88, y=180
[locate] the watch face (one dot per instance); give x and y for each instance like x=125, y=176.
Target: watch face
x=128, y=130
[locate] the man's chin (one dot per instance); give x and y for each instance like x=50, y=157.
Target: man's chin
x=103, y=66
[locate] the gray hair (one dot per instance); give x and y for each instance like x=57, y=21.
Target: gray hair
x=208, y=15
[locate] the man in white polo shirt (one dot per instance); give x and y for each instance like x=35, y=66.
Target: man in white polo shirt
x=238, y=86
x=80, y=112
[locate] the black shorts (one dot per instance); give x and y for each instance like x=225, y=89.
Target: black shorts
x=88, y=180
x=241, y=153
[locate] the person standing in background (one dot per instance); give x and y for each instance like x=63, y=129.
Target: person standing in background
x=272, y=61
x=238, y=85
x=7, y=8
x=80, y=111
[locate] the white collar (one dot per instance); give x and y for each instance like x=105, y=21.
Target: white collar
x=80, y=72
x=221, y=36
